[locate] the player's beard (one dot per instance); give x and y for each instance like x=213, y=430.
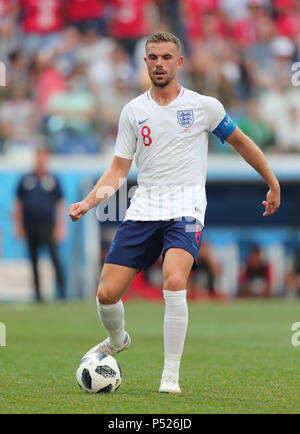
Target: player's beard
x=158, y=83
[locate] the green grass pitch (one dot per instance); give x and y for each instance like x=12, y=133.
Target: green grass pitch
x=238, y=358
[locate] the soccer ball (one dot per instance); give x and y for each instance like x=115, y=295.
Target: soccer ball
x=99, y=373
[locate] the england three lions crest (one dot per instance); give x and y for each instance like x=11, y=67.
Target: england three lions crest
x=185, y=118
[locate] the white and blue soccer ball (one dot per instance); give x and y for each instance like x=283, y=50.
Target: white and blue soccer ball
x=99, y=373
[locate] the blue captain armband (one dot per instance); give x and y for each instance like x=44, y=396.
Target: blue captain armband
x=225, y=128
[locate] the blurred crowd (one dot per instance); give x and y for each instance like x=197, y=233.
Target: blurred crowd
x=71, y=65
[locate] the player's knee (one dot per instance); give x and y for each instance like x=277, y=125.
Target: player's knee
x=174, y=282
x=105, y=296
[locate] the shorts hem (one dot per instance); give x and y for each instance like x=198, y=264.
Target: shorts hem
x=180, y=247
x=136, y=218
x=115, y=262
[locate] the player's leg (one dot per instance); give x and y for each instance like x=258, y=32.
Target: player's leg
x=56, y=264
x=135, y=247
x=114, y=281
x=176, y=268
x=33, y=253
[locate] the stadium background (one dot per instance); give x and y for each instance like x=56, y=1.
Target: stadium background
x=70, y=67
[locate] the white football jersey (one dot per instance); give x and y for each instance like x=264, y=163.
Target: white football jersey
x=170, y=148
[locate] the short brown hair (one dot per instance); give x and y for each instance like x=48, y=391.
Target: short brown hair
x=164, y=37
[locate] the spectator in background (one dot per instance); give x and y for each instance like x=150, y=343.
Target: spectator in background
x=170, y=12
x=204, y=19
x=65, y=53
x=215, y=62
x=252, y=125
x=131, y=21
x=72, y=114
x=203, y=278
x=192, y=15
x=259, y=58
x=246, y=30
x=275, y=103
x=292, y=278
x=287, y=131
x=278, y=107
x=18, y=120
x=9, y=34
x=269, y=60
x=297, y=42
x=283, y=50
x=17, y=68
x=46, y=80
x=94, y=48
x=154, y=275
x=82, y=13
x=111, y=101
x=104, y=72
x=8, y=9
x=42, y=22
x=233, y=13
x=255, y=278
x=39, y=217
x=287, y=13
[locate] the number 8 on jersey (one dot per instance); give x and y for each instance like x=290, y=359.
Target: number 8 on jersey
x=146, y=135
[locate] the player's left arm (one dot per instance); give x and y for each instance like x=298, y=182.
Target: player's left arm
x=255, y=157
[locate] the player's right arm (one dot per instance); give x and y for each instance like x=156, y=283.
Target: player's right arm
x=106, y=186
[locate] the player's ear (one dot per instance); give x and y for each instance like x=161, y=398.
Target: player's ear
x=179, y=61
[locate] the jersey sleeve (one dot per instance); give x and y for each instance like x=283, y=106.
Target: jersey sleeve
x=126, y=139
x=219, y=123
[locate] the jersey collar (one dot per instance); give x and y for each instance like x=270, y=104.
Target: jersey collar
x=180, y=94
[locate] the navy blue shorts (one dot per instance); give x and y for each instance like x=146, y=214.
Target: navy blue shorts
x=138, y=244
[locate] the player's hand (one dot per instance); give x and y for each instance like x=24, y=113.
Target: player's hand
x=272, y=203
x=77, y=210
